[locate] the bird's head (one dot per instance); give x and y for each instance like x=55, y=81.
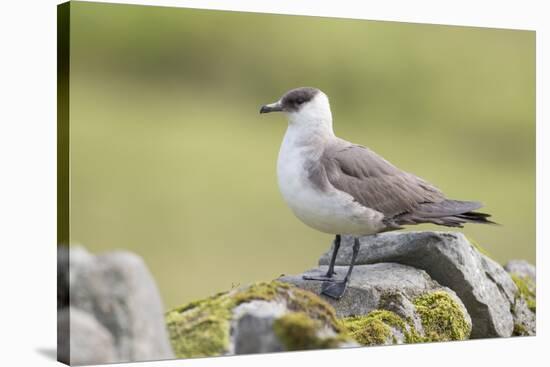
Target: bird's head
x=302, y=105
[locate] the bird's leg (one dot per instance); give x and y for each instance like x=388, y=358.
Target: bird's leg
x=336, y=289
x=330, y=272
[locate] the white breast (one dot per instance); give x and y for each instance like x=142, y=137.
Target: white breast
x=330, y=211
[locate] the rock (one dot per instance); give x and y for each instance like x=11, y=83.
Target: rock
x=525, y=303
x=260, y=318
x=484, y=287
x=117, y=289
x=406, y=288
x=90, y=342
x=525, y=323
x=253, y=327
x=521, y=268
x=384, y=304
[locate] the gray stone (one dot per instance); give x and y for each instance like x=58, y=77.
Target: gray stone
x=118, y=290
x=262, y=317
x=484, y=287
x=90, y=342
x=252, y=327
x=387, y=286
x=524, y=317
x=521, y=268
x=255, y=335
x=371, y=285
x=525, y=323
x=397, y=302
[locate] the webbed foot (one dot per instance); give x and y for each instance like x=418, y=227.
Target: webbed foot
x=322, y=278
x=334, y=289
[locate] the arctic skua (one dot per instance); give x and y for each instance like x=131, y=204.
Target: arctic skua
x=342, y=188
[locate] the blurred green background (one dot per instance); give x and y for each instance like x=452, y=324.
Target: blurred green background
x=170, y=158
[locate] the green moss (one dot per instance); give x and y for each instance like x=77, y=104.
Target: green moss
x=526, y=294
x=526, y=290
x=262, y=291
x=412, y=336
x=520, y=330
x=369, y=331
x=302, y=300
x=390, y=318
x=201, y=328
x=375, y=327
x=442, y=318
x=297, y=299
x=298, y=331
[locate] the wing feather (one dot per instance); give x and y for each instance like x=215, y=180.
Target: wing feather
x=374, y=182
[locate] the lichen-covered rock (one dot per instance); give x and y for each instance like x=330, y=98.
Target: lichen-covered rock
x=378, y=327
x=298, y=331
x=389, y=303
x=486, y=290
x=524, y=308
x=118, y=291
x=253, y=325
x=263, y=317
x=442, y=319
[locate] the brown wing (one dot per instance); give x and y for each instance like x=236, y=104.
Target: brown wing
x=375, y=182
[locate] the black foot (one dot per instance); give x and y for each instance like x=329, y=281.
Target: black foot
x=334, y=289
x=322, y=278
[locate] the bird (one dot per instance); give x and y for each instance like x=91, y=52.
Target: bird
x=341, y=188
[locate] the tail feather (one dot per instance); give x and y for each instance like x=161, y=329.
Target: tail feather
x=450, y=213
x=476, y=217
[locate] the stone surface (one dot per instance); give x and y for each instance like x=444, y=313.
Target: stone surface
x=117, y=289
x=382, y=286
x=406, y=288
x=525, y=323
x=253, y=327
x=90, y=342
x=522, y=268
x=370, y=285
x=260, y=318
x=524, y=308
x=484, y=287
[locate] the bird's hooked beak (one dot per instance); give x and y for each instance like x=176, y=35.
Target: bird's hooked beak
x=272, y=107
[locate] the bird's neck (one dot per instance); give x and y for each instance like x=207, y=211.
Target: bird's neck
x=310, y=128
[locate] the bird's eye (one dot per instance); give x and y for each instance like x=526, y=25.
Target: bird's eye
x=300, y=101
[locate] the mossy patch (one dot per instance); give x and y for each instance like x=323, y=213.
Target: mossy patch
x=520, y=330
x=202, y=328
x=526, y=290
x=261, y=291
x=373, y=328
x=305, y=301
x=298, y=331
x=442, y=317
x=296, y=299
